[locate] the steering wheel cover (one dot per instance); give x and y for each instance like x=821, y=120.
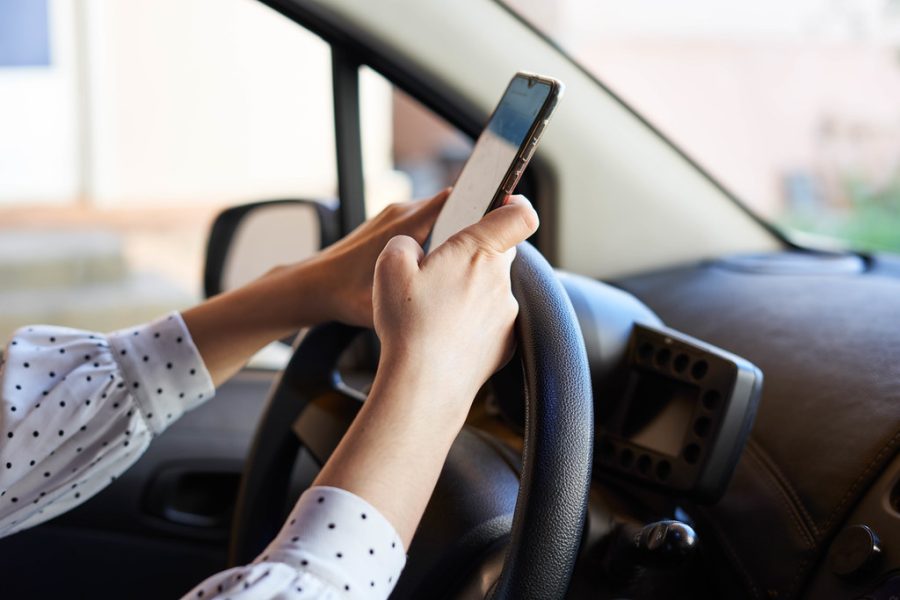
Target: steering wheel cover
x=552, y=501
x=559, y=436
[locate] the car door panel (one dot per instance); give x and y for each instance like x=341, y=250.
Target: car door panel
x=160, y=528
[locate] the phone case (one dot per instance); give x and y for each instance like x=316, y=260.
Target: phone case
x=526, y=151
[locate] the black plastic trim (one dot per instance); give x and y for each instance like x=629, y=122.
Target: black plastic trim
x=348, y=139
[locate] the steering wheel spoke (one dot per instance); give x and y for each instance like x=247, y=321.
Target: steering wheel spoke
x=324, y=421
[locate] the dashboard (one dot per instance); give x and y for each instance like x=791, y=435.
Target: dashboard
x=676, y=412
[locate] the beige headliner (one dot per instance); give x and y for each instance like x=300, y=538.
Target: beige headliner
x=626, y=201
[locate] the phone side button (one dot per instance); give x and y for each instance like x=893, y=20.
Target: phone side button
x=511, y=181
x=529, y=150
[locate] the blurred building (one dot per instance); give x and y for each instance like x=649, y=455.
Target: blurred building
x=169, y=101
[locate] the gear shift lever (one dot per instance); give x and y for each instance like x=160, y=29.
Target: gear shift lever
x=661, y=559
x=664, y=544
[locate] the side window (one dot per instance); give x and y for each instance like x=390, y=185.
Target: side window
x=127, y=127
x=425, y=153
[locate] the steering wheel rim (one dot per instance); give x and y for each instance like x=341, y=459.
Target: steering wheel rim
x=556, y=464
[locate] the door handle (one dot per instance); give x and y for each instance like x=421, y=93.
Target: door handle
x=196, y=493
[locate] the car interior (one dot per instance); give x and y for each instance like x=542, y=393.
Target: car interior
x=699, y=406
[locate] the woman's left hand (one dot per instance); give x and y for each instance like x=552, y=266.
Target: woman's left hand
x=333, y=285
x=345, y=270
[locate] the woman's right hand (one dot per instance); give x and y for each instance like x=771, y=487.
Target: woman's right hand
x=446, y=320
x=445, y=323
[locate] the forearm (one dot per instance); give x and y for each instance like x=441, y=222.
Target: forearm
x=230, y=328
x=393, y=453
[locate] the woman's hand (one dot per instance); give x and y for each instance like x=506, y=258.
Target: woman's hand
x=445, y=323
x=344, y=270
x=447, y=319
x=334, y=285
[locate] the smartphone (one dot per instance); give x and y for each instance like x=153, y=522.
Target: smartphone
x=500, y=155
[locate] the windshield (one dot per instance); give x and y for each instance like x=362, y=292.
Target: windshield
x=791, y=105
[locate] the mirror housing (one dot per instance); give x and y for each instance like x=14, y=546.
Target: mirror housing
x=248, y=240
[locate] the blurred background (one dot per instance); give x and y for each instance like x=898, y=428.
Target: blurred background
x=793, y=106
x=125, y=126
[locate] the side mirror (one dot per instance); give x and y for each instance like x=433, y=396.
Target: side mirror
x=247, y=240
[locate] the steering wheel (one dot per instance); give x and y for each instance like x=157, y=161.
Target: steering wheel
x=556, y=464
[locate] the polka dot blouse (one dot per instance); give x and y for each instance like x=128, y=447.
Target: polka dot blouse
x=78, y=408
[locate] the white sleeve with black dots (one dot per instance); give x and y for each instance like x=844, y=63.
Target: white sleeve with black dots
x=78, y=408
x=334, y=545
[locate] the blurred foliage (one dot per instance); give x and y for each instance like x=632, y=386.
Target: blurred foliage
x=869, y=222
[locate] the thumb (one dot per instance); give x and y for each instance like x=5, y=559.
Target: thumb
x=426, y=213
x=503, y=228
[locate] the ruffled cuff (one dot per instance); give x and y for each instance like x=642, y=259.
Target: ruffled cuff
x=343, y=539
x=162, y=368
x=334, y=545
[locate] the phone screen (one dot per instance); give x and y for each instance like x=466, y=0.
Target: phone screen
x=493, y=154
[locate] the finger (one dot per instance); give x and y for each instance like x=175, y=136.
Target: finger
x=438, y=200
x=516, y=199
x=503, y=228
x=426, y=214
x=400, y=257
x=429, y=209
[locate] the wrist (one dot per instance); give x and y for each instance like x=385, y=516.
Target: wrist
x=301, y=294
x=323, y=290
x=423, y=390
